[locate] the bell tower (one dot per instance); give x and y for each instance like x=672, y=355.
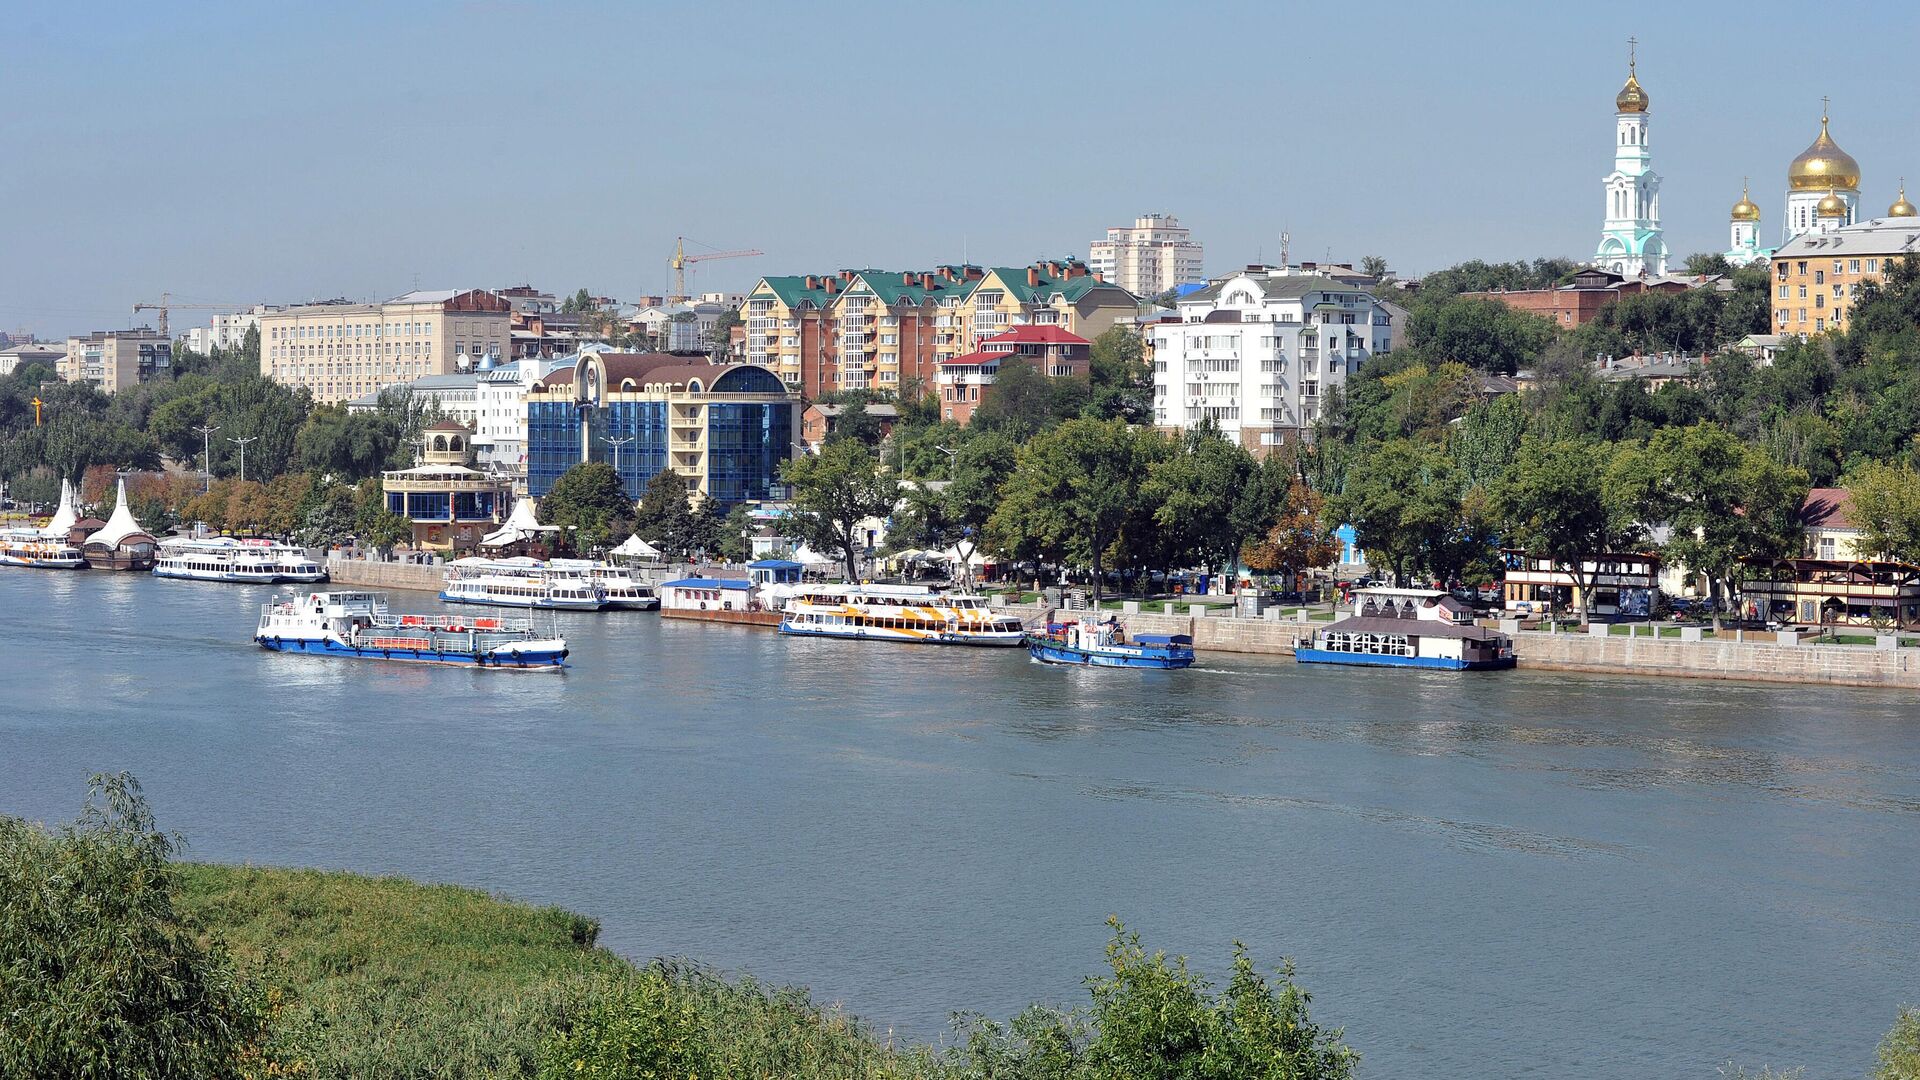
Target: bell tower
x=1630, y=238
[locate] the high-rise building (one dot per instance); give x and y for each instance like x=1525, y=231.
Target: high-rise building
x=1154, y=254
x=1630, y=240
x=341, y=350
x=112, y=359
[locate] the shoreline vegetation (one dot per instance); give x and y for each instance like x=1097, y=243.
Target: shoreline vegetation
x=117, y=960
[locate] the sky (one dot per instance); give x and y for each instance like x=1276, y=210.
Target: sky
x=240, y=153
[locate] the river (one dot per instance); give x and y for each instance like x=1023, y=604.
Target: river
x=1493, y=875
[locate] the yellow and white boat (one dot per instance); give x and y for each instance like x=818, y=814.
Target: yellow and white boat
x=909, y=613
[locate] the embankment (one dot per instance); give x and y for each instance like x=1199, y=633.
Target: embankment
x=366, y=574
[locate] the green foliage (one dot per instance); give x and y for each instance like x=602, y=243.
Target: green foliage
x=1886, y=508
x=1403, y=500
x=857, y=424
x=665, y=516
x=1478, y=276
x=833, y=492
x=1200, y=496
x=1555, y=503
x=1898, y=1057
x=1074, y=493
x=1120, y=377
x=100, y=975
x=1023, y=401
x=590, y=506
x=736, y=531
x=1481, y=333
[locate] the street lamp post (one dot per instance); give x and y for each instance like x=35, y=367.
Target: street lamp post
x=617, y=444
x=242, y=444
x=206, y=455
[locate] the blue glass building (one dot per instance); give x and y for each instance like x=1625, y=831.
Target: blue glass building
x=728, y=428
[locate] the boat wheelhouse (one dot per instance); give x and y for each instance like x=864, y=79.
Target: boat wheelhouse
x=521, y=582
x=357, y=625
x=618, y=587
x=224, y=558
x=1421, y=628
x=908, y=613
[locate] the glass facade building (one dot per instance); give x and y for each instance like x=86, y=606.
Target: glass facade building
x=745, y=446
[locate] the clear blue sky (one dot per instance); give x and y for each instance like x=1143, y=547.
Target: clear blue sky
x=246, y=152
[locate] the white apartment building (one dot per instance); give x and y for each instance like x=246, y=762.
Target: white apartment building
x=1257, y=352
x=1154, y=254
x=226, y=331
x=341, y=350
x=500, y=410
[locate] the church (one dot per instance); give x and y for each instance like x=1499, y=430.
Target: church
x=1823, y=194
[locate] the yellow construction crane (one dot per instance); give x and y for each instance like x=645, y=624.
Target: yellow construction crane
x=681, y=260
x=166, y=304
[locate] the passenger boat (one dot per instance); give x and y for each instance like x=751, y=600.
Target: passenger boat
x=33, y=547
x=1418, y=628
x=910, y=613
x=223, y=558
x=1106, y=645
x=618, y=587
x=50, y=548
x=357, y=625
x=520, y=582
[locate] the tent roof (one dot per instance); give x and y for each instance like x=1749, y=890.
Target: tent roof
x=120, y=523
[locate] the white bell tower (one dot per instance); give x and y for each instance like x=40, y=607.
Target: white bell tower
x=1630, y=239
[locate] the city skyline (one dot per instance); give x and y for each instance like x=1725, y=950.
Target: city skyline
x=234, y=159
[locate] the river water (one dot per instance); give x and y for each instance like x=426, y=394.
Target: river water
x=1492, y=875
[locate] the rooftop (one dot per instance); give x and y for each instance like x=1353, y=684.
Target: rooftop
x=1876, y=236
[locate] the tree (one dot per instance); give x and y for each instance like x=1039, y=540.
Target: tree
x=1403, y=500
x=1723, y=501
x=1073, y=491
x=1481, y=333
x=665, y=517
x=736, y=534
x=1022, y=400
x=1554, y=503
x=1899, y=1055
x=1299, y=538
x=856, y=423
x=834, y=491
x=1120, y=378
x=1374, y=266
x=104, y=978
x=1708, y=262
x=1196, y=495
x=1886, y=509
x=589, y=504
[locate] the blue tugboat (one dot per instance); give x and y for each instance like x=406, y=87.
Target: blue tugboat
x=1106, y=645
x=356, y=625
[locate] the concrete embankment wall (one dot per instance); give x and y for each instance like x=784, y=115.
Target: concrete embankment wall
x=365, y=574
x=1846, y=665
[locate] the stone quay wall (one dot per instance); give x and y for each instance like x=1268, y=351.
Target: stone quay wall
x=1840, y=665
x=367, y=574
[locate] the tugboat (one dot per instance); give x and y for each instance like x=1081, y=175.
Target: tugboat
x=357, y=625
x=1106, y=645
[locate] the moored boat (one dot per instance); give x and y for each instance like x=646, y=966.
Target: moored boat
x=224, y=558
x=1414, y=628
x=357, y=625
x=618, y=587
x=1106, y=645
x=32, y=547
x=521, y=582
x=909, y=613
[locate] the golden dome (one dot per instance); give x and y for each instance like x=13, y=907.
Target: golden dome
x=1823, y=165
x=1745, y=210
x=1831, y=205
x=1631, y=97
x=1902, y=208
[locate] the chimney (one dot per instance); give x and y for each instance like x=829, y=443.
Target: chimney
x=833, y=286
x=1033, y=277
x=946, y=272
x=846, y=277
x=974, y=273
x=811, y=283
x=926, y=280
x=906, y=277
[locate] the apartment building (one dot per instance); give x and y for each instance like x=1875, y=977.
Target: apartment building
x=111, y=359
x=1154, y=254
x=1066, y=294
x=341, y=350
x=963, y=380
x=20, y=353
x=1258, y=352
x=1818, y=275
x=227, y=330
x=890, y=326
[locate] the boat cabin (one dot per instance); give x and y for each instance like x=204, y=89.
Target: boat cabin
x=706, y=594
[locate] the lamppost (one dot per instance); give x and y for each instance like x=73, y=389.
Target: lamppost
x=206, y=455
x=242, y=444
x=617, y=444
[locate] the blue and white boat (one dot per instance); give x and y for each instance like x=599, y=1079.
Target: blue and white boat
x=522, y=582
x=357, y=625
x=1408, y=628
x=1106, y=645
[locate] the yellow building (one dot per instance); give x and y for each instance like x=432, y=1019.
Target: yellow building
x=1064, y=294
x=341, y=351
x=112, y=359
x=1817, y=276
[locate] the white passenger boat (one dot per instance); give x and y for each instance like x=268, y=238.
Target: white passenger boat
x=521, y=582
x=33, y=547
x=224, y=558
x=618, y=587
x=1408, y=628
x=910, y=613
x=357, y=625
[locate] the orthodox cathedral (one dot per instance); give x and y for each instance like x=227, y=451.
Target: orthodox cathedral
x=1823, y=194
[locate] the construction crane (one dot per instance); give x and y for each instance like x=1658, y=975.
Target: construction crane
x=681, y=260
x=166, y=304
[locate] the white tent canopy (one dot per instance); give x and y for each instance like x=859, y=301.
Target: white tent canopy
x=120, y=523
x=637, y=548
x=810, y=558
x=63, y=518
x=521, y=525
